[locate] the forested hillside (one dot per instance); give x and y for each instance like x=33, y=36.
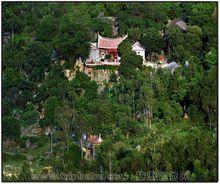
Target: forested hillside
x=150, y=120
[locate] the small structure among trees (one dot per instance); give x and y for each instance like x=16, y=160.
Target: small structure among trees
x=139, y=50
x=179, y=23
x=89, y=144
x=105, y=51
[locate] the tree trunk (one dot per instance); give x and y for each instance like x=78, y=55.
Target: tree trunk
x=110, y=168
x=67, y=141
x=150, y=115
x=146, y=120
x=63, y=156
x=127, y=134
x=123, y=95
x=101, y=171
x=133, y=105
x=12, y=35
x=51, y=143
x=81, y=148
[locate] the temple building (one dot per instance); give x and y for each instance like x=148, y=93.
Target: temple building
x=105, y=51
x=89, y=145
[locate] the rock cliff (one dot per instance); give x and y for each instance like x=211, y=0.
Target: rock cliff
x=101, y=76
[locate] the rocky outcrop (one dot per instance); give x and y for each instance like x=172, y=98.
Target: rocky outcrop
x=32, y=130
x=101, y=76
x=78, y=66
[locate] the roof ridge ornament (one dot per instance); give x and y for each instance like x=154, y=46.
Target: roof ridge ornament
x=99, y=36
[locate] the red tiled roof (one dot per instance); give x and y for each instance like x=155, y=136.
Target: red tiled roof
x=109, y=43
x=161, y=58
x=94, y=140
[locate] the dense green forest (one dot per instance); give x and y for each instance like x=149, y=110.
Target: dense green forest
x=140, y=114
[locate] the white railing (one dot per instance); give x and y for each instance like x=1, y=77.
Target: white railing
x=105, y=63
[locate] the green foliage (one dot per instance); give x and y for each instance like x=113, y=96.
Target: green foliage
x=11, y=127
x=139, y=114
x=124, y=48
x=71, y=158
x=130, y=63
x=82, y=86
x=211, y=58
x=103, y=27
x=195, y=30
x=13, y=158
x=25, y=172
x=50, y=105
x=30, y=115
x=152, y=40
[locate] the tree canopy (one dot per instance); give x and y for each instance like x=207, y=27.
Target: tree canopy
x=150, y=120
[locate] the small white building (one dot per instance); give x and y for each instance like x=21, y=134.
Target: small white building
x=139, y=50
x=94, y=52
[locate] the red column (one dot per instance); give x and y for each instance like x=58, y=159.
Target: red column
x=116, y=56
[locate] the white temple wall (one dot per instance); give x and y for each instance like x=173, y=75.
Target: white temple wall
x=94, y=55
x=139, y=50
x=141, y=53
